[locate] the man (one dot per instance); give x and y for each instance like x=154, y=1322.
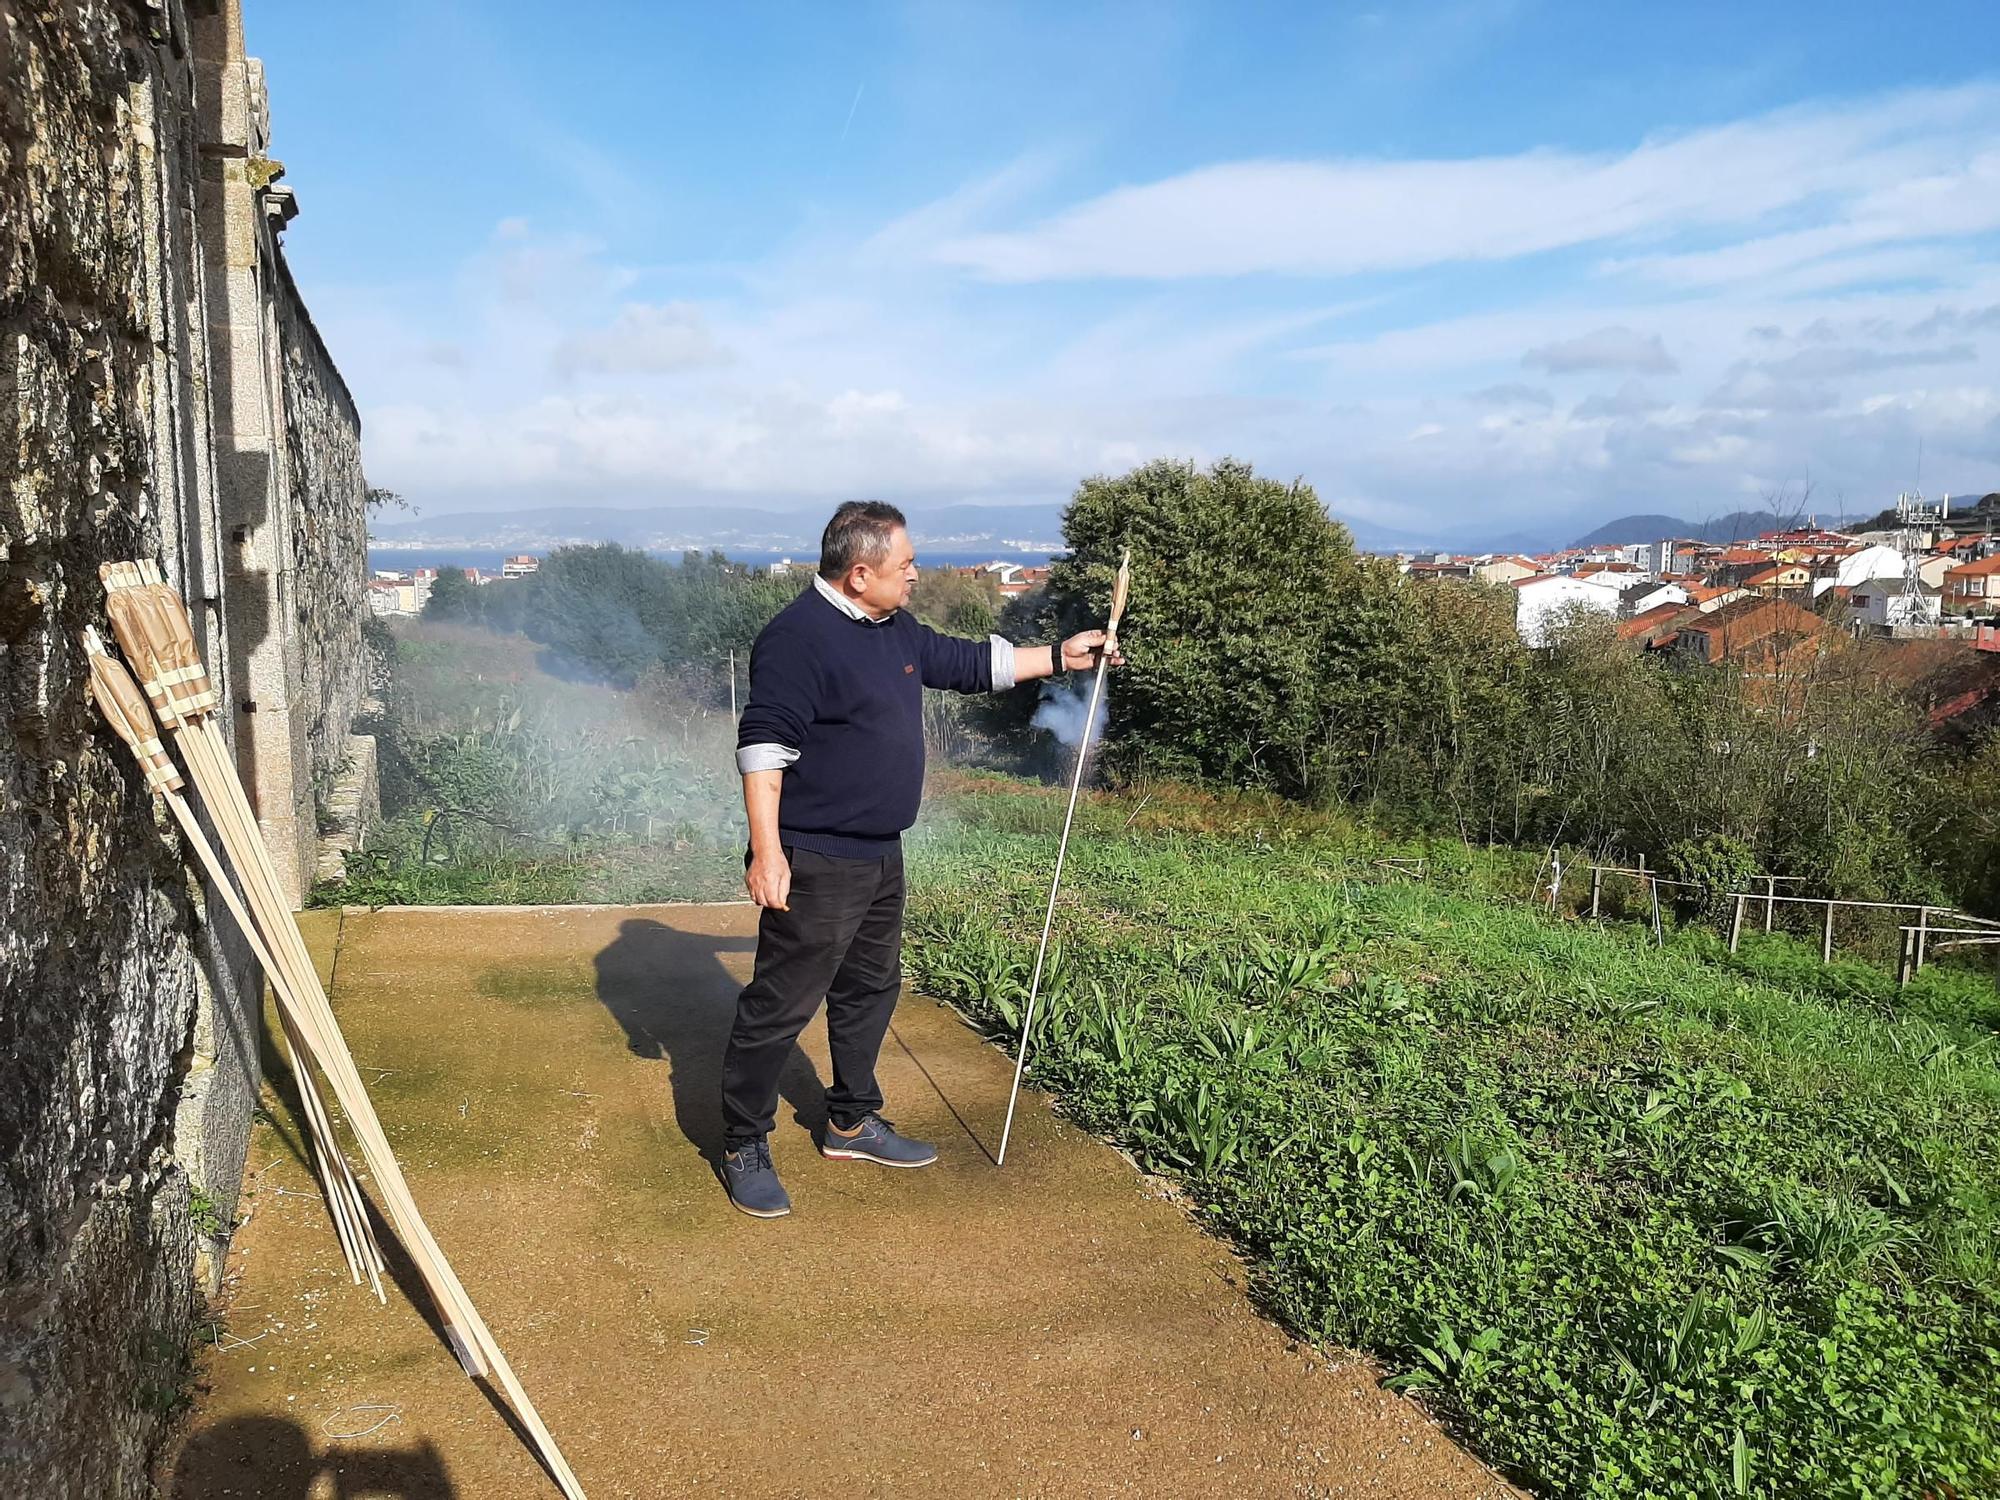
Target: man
x=831, y=750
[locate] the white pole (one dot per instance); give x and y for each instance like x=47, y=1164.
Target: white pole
x=1049, y=917
x=1118, y=594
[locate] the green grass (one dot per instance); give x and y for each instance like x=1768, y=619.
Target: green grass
x=1637, y=1221
x=612, y=873
x=503, y=785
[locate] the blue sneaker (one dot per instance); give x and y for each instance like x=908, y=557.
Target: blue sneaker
x=875, y=1139
x=752, y=1182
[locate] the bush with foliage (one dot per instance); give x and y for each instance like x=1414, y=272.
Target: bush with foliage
x=1263, y=651
x=1716, y=867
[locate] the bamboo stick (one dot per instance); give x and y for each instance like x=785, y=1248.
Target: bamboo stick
x=1118, y=595
x=341, y=1191
x=152, y=624
x=124, y=706
x=474, y=1344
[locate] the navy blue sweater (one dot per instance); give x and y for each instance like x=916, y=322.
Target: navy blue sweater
x=847, y=694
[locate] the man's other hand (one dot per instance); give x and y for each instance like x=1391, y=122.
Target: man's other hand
x=770, y=881
x=1081, y=651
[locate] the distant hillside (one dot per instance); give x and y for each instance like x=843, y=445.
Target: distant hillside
x=670, y=529
x=1031, y=530
x=1739, y=525
x=1964, y=510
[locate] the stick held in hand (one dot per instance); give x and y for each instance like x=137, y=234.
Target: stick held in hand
x=1119, y=592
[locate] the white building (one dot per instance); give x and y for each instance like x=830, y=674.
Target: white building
x=395, y=596
x=1538, y=602
x=1640, y=597
x=1888, y=602
x=1868, y=564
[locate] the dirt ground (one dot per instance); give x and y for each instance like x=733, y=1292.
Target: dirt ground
x=549, y=1080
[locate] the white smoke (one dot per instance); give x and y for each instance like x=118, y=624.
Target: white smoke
x=1064, y=703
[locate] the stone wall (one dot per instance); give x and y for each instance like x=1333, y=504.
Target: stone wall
x=329, y=537
x=288, y=462
x=128, y=1024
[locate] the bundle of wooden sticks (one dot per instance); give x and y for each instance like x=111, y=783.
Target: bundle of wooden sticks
x=173, y=694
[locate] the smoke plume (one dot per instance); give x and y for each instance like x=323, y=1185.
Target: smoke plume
x=1063, y=706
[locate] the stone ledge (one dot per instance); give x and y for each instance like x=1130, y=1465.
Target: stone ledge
x=352, y=808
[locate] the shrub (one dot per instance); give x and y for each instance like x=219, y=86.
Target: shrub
x=1717, y=866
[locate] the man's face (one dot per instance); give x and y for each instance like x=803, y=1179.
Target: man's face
x=885, y=588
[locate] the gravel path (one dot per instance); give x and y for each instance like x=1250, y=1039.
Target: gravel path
x=549, y=1079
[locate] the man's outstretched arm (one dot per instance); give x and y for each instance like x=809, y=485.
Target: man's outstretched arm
x=1077, y=654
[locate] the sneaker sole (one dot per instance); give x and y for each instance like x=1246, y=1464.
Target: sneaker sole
x=880, y=1161
x=760, y=1213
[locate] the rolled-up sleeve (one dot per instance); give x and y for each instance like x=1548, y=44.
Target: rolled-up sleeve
x=769, y=757
x=1003, y=663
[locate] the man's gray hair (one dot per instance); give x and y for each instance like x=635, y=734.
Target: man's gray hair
x=858, y=533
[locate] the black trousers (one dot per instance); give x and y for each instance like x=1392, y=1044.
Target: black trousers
x=842, y=941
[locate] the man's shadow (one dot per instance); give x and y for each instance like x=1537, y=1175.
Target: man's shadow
x=671, y=993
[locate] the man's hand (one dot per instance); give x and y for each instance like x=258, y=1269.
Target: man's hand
x=770, y=880
x=1081, y=651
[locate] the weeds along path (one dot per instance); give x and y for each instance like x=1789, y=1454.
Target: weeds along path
x=1637, y=1221
x=549, y=1081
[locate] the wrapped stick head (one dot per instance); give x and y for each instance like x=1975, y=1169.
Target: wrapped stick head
x=152, y=626
x=124, y=707
x=1119, y=591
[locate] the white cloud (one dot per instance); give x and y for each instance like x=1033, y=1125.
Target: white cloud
x=1630, y=400
x=1513, y=393
x=1829, y=361
x=1898, y=167
x=1604, y=349
x=867, y=361
x=645, y=338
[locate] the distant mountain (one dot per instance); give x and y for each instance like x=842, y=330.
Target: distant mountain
x=1737, y=526
x=671, y=529
x=1031, y=530
x=955, y=530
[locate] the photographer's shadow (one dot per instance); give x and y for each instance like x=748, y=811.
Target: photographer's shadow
x=676, y=1000
x=275, y=1458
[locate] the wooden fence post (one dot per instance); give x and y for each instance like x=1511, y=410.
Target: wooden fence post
x=1903, y=958
x=1596, y=889
x=1826, y=942
x=1736, y=922
x=1922, y=939
x=1659, y=936
x=1770, y=901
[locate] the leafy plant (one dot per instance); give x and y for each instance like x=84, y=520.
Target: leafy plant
x=1659, y=1221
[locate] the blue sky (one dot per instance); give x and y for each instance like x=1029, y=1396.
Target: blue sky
x=1474, y=264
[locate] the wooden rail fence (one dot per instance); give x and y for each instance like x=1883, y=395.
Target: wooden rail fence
x=1959, y=929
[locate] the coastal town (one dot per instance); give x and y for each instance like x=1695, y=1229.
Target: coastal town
x=1920, y=570
x=405, y=591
